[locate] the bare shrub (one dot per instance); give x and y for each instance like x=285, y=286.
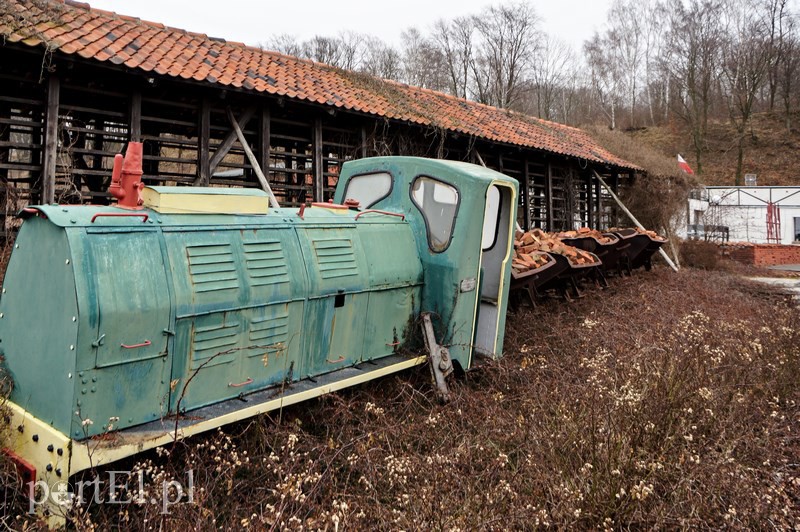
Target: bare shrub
x=672, y=402
x=700, y=254
x=656, y=197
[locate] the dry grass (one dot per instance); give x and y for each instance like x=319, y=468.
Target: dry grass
x=770, y=149
x=669, y=400
x=652, y=159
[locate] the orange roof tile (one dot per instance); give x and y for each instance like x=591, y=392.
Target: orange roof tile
x=75, y=28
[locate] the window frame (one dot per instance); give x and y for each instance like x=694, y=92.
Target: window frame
x=425, y=217
x=389, y=193
x=497, y=221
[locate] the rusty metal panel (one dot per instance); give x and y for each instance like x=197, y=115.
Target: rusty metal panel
x=39, y=323
x=389, y=320
x=240, y=309
x=129, y=279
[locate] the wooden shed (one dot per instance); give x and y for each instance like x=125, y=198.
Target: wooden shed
x=77, y=84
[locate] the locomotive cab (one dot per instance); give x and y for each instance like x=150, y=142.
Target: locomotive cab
x=463, y=217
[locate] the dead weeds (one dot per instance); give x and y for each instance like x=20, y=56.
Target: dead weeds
x=668, y=400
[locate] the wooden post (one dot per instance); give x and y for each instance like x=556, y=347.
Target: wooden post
x=5, y=149
x=135, y=124
x=548, y=175
x=526, y=193
x=599, y=211
x=203, y=141
x=587, y=178
x=363, y=141
x=632, y=217
x=48, y=192
x=252, y=158
x=319, y=192
x=264, y=140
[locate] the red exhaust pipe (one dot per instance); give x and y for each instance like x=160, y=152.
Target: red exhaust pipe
x=126, y=179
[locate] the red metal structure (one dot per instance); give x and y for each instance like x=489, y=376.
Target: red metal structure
x=773, y=223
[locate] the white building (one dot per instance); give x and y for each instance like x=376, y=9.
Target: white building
x=741, y=214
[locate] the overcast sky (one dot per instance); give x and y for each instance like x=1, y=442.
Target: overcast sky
x=253, y=21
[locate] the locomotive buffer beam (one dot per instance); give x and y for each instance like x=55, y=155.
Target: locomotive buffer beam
x=438, y=359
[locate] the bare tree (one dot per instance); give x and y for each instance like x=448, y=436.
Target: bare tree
x=628, y=42
x=691, y=59
x=321, y=49
x=653, y=15
x=285, y=44
x=779, y=25
x=605, y=75
x=745, y=66
x=382, y=60
x=455, y=42
x=509, y=38
x=423, y=61
x=353, y=49
x=552, y=68
x=789, y=68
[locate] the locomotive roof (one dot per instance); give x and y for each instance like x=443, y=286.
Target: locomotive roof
x=109, y=217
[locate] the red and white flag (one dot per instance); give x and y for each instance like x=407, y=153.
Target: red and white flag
x=684, y=165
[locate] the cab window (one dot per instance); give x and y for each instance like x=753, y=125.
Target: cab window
x=491, y=218
x=368, y=189
x=438, y=203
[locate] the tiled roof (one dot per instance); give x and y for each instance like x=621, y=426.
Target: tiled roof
x=75, y=28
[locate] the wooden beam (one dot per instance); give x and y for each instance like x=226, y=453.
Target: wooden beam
x=319, y=192
x=227, y=143
x=135, y=125
x=204, y=169
x=632, y=217
x=51, y=142
x=252, y=158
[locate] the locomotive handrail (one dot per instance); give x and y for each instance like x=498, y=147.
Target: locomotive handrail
x=387, y=213
x=239, y=385
x=136, y=346
x=144, y=216
x=34, y=211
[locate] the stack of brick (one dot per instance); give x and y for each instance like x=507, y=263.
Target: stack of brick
x=539, y=241
x=586, y=232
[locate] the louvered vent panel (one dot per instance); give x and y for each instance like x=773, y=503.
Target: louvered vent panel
x=335, y=258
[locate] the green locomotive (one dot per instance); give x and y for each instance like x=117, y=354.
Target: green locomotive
x=209, y=302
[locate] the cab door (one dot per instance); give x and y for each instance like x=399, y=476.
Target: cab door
x=496, y=245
